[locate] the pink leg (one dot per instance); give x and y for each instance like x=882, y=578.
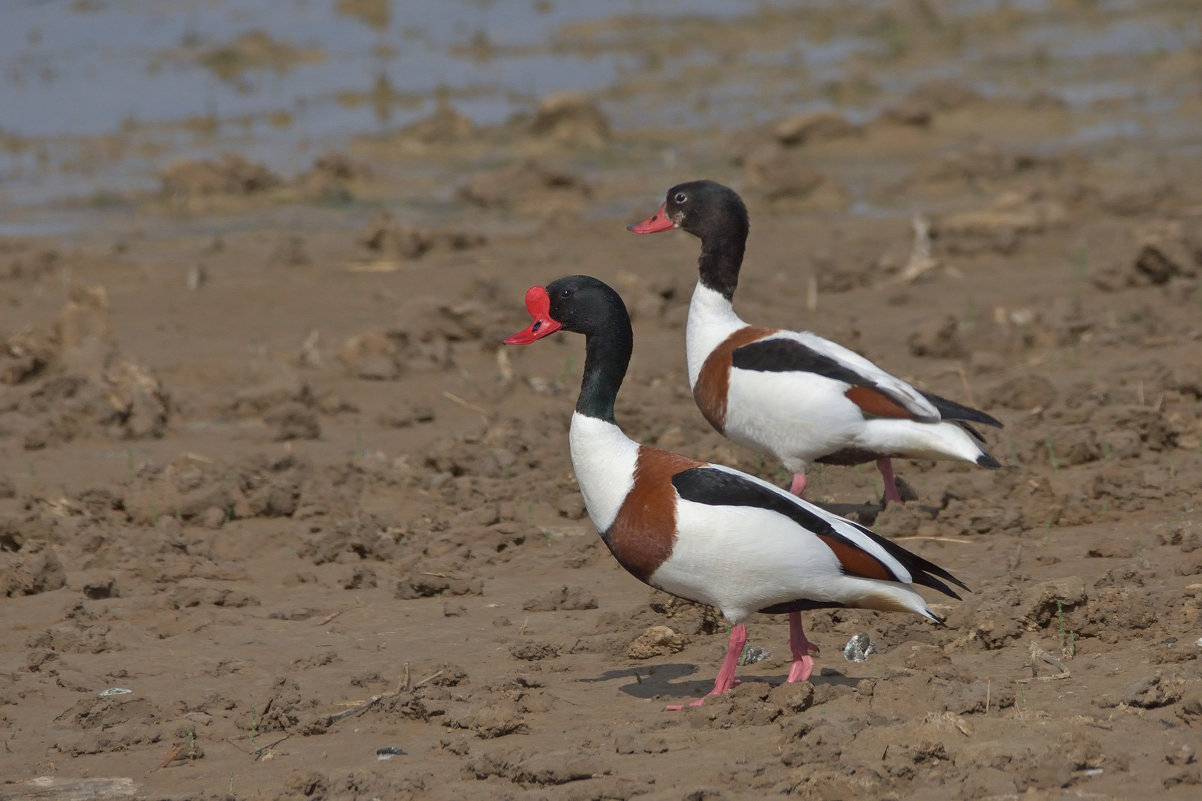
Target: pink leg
x=803, y=663
x=885, y=465
x=799, y=484
x=726, y=674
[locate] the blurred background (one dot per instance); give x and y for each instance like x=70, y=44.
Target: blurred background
x=96, y=96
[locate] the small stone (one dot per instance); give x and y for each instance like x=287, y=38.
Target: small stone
x=858, y=648
x=752, y=654
x=656, y=641
x=213, y=517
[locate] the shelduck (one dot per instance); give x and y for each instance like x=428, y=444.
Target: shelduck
x=792, y=394
x=706, y=532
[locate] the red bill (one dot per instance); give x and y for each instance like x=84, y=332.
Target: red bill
x=653, y=224
x=539, y=306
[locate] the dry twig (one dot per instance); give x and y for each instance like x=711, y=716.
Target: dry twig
x=920, y=261
x=172, y=755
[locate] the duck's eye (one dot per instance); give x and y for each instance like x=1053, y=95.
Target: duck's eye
x=680, y=197
x=565, y=293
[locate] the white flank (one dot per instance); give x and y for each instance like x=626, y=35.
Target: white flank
x=839, y=524
x=712, y=319
x=795, y=416
x=798, y=416
x=604, y=460
x=742, y=559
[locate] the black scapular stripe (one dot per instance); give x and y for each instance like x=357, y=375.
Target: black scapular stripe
x=714, y=487
x=786, y=355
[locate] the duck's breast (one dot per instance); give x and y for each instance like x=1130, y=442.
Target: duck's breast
x=604, y=460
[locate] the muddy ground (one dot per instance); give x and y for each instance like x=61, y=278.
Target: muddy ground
x=281, y=518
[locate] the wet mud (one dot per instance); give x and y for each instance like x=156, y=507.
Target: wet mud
x=280, y=516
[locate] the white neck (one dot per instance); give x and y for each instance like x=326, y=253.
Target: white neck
x=604, y=460
x=712, y=319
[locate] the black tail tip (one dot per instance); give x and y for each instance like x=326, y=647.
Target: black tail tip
x=985, y=460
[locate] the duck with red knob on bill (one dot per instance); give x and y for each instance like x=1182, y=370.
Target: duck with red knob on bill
x=792, y=394
x=705, y=532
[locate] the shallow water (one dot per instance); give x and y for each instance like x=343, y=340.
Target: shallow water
x=98, y=94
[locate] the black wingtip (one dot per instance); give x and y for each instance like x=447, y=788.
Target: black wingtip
x=959, y=413
x=955, y=581
x=926, y=575
x=977, y=435
x=922, y=571
x=927, y=580
x=985, y=460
